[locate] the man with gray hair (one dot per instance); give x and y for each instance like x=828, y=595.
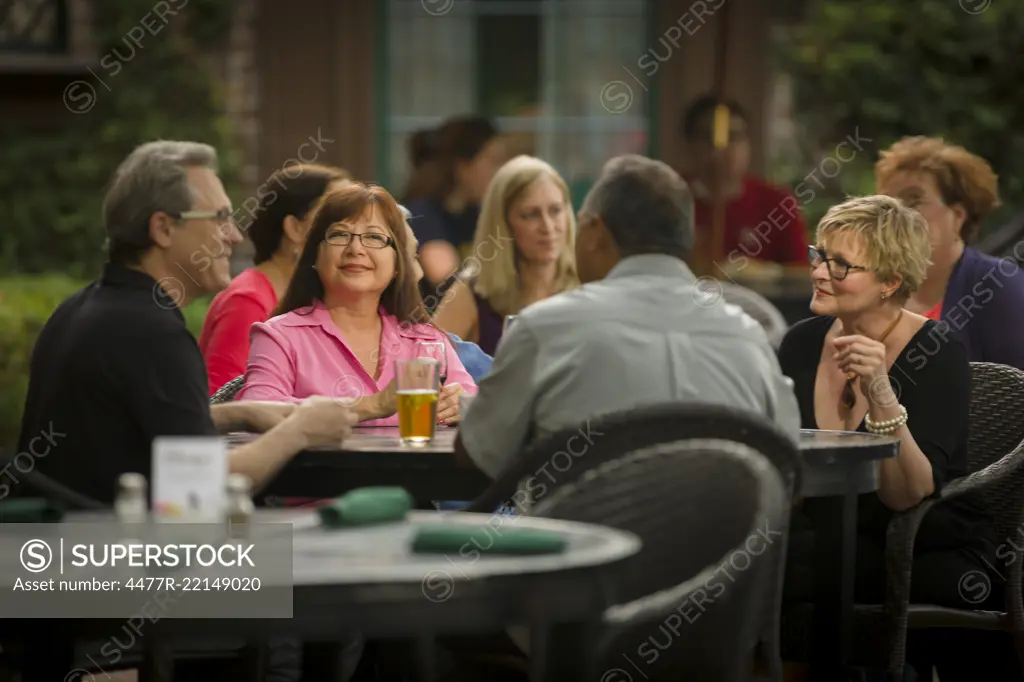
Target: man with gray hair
x=115, y=366
x=639, y=331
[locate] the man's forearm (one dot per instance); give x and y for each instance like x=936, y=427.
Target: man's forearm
x=229, y=417
x=261, y=459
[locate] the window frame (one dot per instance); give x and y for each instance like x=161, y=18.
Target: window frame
x=382, y=105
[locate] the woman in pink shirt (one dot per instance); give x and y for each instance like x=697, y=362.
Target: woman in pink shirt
x=352, y=308
x=278, y=231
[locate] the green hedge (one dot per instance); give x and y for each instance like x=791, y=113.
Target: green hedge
x=25, y=305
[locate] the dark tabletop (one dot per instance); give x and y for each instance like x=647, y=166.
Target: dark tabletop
x=823, y=448
x=376, y=456
x=843, y=462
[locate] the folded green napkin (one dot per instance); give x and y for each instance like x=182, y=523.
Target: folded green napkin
x=30, y=510
x=366, y=506
x=451, y=538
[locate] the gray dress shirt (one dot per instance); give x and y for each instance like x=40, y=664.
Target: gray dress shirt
x=645, y=334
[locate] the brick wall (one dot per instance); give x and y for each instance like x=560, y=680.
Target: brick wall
x=241, y=79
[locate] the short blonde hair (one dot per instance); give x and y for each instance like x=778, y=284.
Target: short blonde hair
x=498, y=278
x=895, y=238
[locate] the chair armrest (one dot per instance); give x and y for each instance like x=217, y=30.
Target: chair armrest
x=991, y=474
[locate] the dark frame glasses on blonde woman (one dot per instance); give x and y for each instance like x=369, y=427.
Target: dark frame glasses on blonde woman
x=837, y=268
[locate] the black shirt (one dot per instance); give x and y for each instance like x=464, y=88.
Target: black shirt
x=113, y=367
x=933, y=382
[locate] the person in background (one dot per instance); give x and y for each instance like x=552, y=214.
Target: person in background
x=637, y=332
x=351, y=309
x=853, y=370
x=523, y=252
x=474, y=359
x=762, y=222
x=977, y=296
x=452, y=167
x=278, y=232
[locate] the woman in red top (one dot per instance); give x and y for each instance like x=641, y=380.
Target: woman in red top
x=278, y=231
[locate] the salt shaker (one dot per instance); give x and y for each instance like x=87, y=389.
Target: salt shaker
x=130, y=505
x=240, y=507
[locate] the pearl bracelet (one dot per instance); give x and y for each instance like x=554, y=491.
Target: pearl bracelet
x=887, y=426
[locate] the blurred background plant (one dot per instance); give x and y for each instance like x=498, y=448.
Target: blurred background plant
x=892, y=69
x=53, y=234
x=165, y=89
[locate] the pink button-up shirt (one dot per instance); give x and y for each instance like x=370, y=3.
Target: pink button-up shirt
x=302, y=354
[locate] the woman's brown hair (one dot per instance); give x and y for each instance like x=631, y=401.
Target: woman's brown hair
x=962, y=177
x=290, y=191
x=435, y=154
x=401, y=298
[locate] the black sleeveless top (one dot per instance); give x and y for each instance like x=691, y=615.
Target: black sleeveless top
x=933, y=382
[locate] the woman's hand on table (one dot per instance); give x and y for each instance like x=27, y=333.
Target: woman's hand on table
x=448, y=404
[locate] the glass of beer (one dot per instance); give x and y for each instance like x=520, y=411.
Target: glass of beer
x=416, y=386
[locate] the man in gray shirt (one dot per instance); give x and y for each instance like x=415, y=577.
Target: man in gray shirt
x=640, y=330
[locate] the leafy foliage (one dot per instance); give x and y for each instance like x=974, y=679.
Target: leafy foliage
x=892, y=69
x=155, y=80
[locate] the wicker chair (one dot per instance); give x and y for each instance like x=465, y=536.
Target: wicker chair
x=227, y=392
x=996, y=465
x=697, y=505
x=54, y=491
x=607, y=437
x=759, y=308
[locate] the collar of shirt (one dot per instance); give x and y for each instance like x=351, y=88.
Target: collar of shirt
x=121, y=277
x=657, y=264
x=394, y=336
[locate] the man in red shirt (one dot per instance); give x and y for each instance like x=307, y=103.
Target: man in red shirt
x=762, y=222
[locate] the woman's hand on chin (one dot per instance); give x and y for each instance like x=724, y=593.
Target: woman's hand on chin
x=864, y=357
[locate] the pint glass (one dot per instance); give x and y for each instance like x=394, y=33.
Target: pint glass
x=416, y=388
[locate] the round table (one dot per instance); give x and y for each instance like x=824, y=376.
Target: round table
x=366, y=581
x=841, y=462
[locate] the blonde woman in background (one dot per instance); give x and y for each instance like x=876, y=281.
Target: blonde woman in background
x=522, y=252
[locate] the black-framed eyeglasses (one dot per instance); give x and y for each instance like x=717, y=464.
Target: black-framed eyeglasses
x=838, y=269
x=370, y=240
x=221, y=216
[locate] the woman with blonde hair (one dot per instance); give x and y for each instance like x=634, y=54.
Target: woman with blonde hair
x=976, y=296
x=858, y=365
x=522, y=252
